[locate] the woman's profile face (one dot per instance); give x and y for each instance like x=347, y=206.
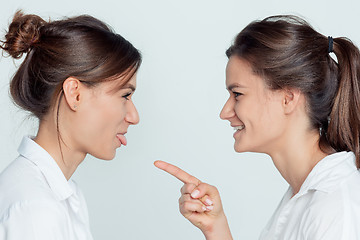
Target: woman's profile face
x=252, y=109
x=103, y=118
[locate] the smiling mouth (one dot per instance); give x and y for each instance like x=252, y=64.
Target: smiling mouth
x=239, y=128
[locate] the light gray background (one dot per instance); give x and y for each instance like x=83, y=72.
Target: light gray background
x=180, y=93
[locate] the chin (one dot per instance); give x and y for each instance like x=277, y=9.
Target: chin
x=105, y=156
x=240, y=148
x=249, y=149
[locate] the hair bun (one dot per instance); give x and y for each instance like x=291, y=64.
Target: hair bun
x=24, y=32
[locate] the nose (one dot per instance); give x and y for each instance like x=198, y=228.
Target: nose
x=227, y=111
x=132, y=115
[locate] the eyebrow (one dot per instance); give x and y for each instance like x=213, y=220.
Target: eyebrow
x=235, y=85
x=132, y=87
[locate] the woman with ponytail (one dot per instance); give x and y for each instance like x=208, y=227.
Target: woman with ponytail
x=77, y=78
x=290, y=99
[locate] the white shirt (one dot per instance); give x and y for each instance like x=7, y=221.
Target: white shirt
x=327, y=207
x=37, y=202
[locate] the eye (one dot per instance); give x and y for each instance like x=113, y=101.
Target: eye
x=127, y=96
x=237, y=94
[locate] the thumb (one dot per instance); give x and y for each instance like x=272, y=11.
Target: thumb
x=205, y=193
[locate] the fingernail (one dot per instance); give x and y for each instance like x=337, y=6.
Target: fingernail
x=195, y=193
x=208, y=202
x=204, y=208
x=209, y=208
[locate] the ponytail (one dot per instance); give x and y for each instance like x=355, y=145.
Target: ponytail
x=343, y=133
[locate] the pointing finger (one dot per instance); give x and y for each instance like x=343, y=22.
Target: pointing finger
x=177, y=172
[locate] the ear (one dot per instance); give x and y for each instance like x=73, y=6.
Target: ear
x=71, y=88
x=292, y=98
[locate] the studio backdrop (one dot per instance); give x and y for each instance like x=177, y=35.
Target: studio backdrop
x=180, y=92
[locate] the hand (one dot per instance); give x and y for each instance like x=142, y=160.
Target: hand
x=200, y=203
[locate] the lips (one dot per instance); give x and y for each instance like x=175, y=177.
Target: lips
x=237, y=129
x=241, y=127
x=122, y=139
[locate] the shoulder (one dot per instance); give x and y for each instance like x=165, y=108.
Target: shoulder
x=22, y=181
x=334, y=188
x=35, y=220
x=343, y=198
x=37, y=211
x=334, y=214
x=344, y=194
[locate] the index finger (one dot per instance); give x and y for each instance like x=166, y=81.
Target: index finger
x=177, y=172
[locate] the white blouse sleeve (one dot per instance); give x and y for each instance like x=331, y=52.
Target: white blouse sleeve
x=34, y=221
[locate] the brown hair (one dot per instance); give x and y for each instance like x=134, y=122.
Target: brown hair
x=288, y=53
x=82, y=47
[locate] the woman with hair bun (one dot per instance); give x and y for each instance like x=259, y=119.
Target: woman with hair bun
x=291, y=100
x=77, y=78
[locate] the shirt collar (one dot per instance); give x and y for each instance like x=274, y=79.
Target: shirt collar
x=48, y=166
x=329, y=172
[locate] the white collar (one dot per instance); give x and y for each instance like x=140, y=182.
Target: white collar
x=48, y=166
x=329, y=173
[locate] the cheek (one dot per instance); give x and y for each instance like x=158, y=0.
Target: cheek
x=99, y=120
x=249, y=112
x=91, y=126
x=97, y=134
x=272, y=120
x=106, y=118
x=258, y=116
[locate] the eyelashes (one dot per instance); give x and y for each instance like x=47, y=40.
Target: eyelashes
x=126, y=96
x=237, y=94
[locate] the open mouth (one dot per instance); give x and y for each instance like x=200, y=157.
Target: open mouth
x=122, y=139
x=239, y=128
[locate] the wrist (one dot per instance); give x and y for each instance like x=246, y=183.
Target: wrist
x=219, y=230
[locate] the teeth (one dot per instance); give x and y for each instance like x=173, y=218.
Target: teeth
x=239, y=127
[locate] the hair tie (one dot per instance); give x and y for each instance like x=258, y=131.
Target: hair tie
x=331, y=45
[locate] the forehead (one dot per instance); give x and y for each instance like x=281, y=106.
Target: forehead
x=119, y=83
x=131, y=83
x=240, y=73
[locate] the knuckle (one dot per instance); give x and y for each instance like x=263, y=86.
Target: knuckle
x=187, y=188
x=183, y=199
x=182, y=211
x=198, y=182
x=186, y=205
x=186, y=197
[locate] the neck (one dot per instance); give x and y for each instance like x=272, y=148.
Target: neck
x=295, y=157
x=66, y=158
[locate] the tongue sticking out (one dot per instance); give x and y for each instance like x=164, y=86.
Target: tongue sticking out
x=122, y=139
